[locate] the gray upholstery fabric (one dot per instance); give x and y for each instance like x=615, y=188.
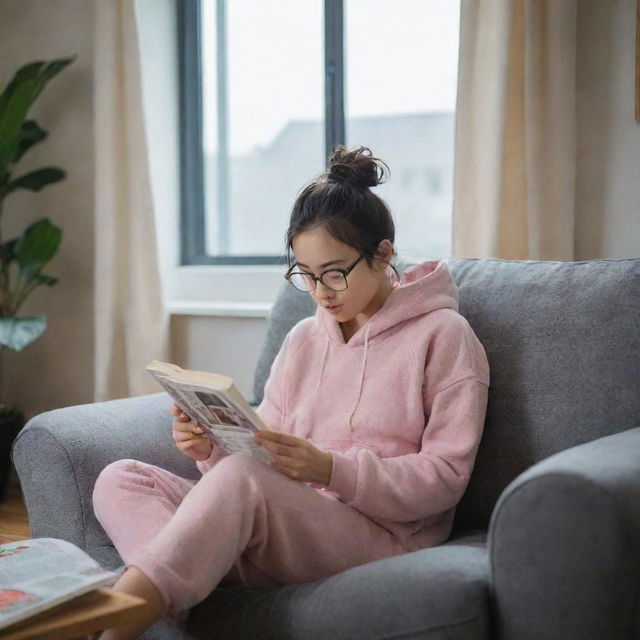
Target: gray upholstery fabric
x=388, y=598
x=563, y=348
x=564, y=351
x=565, y=545
x=59, y=454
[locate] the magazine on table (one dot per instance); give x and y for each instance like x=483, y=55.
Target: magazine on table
x=39, y=573
x=213, y=401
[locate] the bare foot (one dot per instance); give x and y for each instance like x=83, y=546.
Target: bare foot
x=136, y=583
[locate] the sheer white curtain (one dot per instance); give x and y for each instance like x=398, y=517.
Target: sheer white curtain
x=515, y=130
x=131, y=327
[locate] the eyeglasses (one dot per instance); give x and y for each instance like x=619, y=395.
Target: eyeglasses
x=334, y=279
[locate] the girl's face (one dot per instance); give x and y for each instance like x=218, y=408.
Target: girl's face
x=368, y=287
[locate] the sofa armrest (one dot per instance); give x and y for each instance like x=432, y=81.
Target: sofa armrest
x=59, y=454
x=564, y=545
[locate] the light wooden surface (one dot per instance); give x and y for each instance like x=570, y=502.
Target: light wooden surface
x=14, y=523
x=94, y=611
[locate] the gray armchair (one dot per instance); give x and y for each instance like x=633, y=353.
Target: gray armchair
x=546, y=541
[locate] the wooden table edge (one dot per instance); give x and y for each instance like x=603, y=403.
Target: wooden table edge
x=94, y=611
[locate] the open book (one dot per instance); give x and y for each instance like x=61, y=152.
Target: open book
x=40, y=573
x=213, y=401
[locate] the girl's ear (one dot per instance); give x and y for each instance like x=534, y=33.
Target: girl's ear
x=385, y=251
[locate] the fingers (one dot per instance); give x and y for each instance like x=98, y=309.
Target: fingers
x=184, y=436
x=277, y=436
x=187, y=444
x=182, y=431
x=182, y=424
x=186, y=432
x=284, y=450
x=278, y=441
x=178, y=413
x=191, y=431
x=294, y=471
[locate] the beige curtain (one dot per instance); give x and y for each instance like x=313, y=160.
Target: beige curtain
x=130, y=324
x=515, y=130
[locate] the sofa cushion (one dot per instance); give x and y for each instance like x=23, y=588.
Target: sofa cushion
x=563, y=347
x=434, y=593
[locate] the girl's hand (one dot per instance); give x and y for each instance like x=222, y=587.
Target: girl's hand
x=188, y=436
x=296, y=457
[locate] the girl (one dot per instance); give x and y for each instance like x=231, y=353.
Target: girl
x=375, y=405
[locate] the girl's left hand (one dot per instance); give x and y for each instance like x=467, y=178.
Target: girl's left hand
x=296, y=457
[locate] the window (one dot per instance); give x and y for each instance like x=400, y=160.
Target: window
x=269, y=87
x=407, y=177
x=433, y=181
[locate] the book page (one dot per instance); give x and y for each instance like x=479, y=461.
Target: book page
x=27, y=559
x=225, y=421
x=40, y=573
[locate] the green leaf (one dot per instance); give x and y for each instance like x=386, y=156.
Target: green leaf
x=55, y=67
x=36, y=180
x=11, y=120
x=17, y=99
x=37, y=245
x=17, y=333
x=31, y=71
x=30, y=134
x=28, y=71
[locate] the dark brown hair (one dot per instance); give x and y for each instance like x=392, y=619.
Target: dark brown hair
x=340, y=201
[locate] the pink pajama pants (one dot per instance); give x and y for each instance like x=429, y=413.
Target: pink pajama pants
x=243, y=522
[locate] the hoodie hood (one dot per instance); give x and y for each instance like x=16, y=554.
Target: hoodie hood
x=422, y=288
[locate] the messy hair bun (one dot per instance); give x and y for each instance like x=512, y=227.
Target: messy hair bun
x=340, y=201
x=358, y=167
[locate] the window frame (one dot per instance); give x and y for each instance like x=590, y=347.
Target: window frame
x=192, y=197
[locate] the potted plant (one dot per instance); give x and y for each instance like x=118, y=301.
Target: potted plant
x=22, y=258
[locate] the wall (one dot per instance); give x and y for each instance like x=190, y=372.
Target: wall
x=57, y=369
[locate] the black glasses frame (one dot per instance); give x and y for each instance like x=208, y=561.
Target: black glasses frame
x=316, y=279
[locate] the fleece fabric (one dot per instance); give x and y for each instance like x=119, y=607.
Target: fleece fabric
x=400, y=405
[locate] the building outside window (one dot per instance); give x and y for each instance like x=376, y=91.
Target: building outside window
x=268, y=87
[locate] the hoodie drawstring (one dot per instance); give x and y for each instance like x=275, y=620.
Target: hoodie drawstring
x=364, y=364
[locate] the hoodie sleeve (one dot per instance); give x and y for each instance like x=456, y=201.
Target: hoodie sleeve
x=419, y=485
x=216, y=455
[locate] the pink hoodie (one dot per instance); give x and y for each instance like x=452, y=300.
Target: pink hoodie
x=400, y=406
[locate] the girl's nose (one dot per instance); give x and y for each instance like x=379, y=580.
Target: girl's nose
x=322, y=292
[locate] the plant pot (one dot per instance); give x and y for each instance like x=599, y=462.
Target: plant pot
x=10, y=426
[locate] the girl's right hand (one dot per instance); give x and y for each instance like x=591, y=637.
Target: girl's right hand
x=189, y=435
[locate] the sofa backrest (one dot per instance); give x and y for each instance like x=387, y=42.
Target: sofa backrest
x=563, y=344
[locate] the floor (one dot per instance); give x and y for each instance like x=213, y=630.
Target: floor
x=14, y=523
